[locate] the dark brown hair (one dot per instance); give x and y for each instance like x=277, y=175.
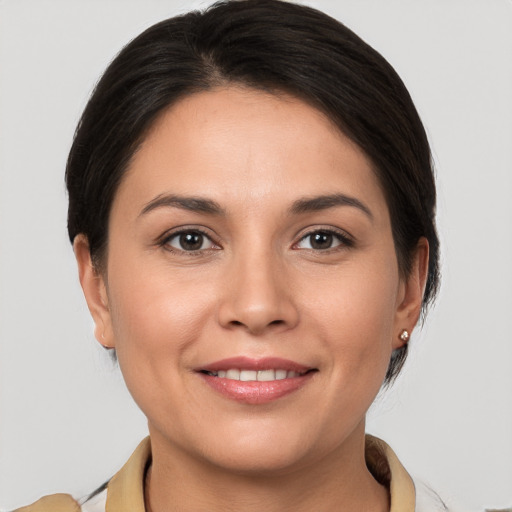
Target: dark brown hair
x=269, y=45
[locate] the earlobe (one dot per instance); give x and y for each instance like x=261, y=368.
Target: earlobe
x=411, y=296
x=95, y=292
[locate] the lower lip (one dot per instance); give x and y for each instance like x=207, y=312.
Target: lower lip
x=255, y=392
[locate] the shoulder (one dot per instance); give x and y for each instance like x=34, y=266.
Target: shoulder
x=96, y=502
x=125, y=490
x=53, y=503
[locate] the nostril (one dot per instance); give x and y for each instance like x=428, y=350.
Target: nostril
x=253, y=327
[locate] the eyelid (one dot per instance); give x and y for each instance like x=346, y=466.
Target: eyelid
x=163, y=241
x=346, y=240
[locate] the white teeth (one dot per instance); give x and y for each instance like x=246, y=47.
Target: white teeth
x=266, y=375
x=253, y=375
x=233, y=374
x=280, y=374
x=247, y=375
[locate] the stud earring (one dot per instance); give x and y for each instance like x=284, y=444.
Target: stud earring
x=404, y=335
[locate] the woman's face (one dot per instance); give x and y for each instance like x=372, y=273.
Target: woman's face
x=250, y=240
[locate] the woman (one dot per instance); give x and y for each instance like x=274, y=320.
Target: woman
x=251, y=205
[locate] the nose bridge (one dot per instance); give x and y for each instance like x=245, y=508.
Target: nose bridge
x=256, y=296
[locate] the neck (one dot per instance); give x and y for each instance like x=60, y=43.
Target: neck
x=339, y=481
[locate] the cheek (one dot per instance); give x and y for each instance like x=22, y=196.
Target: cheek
x=152, y=310
x=155, y=324
x=356, y=318
x=155, y=316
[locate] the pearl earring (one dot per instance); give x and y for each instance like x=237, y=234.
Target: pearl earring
x=404, y=335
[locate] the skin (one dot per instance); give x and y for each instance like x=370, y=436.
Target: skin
x=256, y=288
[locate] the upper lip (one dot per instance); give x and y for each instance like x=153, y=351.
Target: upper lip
x=248, y=363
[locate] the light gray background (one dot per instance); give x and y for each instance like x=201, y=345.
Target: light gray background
x=66, y=421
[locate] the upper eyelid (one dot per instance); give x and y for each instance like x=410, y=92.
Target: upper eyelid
x=172, y=233
x=324, y=229
x=186, y=229
x=346, y=240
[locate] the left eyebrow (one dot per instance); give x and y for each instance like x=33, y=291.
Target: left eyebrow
x=190, y=203
x=319, y=203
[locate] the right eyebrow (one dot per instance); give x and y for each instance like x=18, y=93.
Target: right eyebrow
x=324, y=202
x=190, y=203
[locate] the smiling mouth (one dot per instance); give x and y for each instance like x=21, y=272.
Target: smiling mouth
x=256, y=375
x=254, y=382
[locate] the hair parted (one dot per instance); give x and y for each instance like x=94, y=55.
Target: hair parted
x=270, y=45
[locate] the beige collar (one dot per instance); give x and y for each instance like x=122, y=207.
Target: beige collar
x=126, y=489
x=387, y=469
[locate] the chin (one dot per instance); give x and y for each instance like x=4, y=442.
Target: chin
x=262, y=448
x=262, y=459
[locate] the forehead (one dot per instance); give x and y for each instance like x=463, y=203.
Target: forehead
x=240, y=144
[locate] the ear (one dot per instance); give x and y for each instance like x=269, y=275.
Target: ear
x=95, y=291
x=410, y=296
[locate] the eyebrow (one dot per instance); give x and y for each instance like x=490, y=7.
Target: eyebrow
x=210, y=207
x=318, y=203
x=193, y=204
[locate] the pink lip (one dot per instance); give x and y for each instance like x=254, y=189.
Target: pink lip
x=255, y=392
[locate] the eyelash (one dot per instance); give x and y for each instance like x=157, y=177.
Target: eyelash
x=166, y=239
x=345, y=241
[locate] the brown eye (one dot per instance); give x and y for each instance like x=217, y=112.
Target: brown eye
x=322, y=240
x=190, y=241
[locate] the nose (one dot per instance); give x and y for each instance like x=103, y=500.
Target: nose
x=258, y=296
